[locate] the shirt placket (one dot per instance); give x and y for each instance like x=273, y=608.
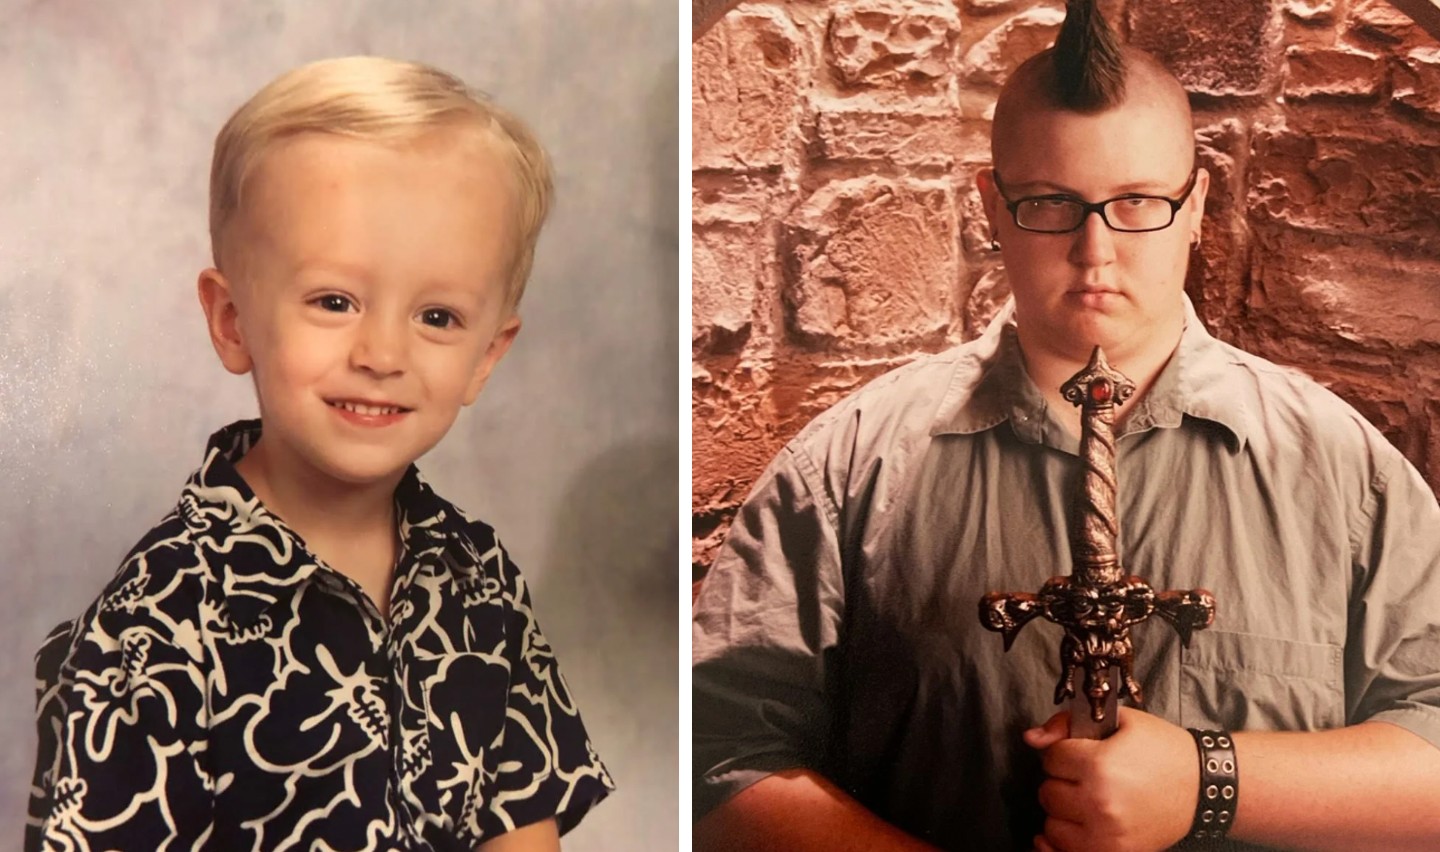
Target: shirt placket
x=410, y=564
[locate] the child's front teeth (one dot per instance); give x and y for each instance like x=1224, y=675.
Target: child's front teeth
x=368, y=410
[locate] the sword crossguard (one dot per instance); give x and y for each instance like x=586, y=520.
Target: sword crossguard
x=1186, y=611
x=1007, y=612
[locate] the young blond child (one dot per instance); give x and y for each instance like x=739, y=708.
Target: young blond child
x=313, y=650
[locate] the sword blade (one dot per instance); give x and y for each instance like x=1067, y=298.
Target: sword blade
x=1082, y=725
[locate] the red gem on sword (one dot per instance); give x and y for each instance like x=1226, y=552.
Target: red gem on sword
x=1098, y=603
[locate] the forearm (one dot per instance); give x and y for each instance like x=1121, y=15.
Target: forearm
x=798, y=810
x=1368, y=786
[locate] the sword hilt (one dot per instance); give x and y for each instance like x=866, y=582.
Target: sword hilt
x=1097, y=390
x=1098, y=603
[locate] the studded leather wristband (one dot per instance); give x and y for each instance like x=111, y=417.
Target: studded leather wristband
x=1219, y=787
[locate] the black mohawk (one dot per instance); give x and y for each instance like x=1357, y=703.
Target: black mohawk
x=1089, y=66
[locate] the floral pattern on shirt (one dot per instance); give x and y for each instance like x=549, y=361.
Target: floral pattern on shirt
x=229, y=691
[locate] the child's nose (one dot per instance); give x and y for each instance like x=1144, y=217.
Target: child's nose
x=379, y=346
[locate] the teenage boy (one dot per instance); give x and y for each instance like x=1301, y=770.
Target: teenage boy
x=847, y=696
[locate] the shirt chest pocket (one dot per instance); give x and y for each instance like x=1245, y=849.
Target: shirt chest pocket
x=463, y=701
x=1242, y=681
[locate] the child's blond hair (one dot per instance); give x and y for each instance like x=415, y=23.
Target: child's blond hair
x=383, y=100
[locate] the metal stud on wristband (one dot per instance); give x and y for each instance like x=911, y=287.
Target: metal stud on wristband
x=1219, y=785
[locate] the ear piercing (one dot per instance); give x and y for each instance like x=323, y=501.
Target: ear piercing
x=994, y=244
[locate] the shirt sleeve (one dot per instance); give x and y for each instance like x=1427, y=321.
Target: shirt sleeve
x=49, y=716
x=1392, y=658
x=544, y=764
x=122, y=739
x=765, y=635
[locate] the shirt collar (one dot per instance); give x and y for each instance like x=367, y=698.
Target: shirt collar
x=259, y=560
x=1193, y=382
x=432, y=525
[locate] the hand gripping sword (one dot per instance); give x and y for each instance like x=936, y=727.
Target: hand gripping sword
x=1098, y=603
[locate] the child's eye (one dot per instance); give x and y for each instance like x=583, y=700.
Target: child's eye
x=334, y=303
x=439, y=318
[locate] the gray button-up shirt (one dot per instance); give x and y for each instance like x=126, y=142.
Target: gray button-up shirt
x=838, y=629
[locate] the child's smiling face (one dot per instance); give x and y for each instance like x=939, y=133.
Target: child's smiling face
x=370, y=296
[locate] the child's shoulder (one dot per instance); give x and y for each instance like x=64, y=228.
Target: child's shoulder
x=166, y=576
x=471, y=542
x=179, y=556
x=150, y=608
x=163, y=577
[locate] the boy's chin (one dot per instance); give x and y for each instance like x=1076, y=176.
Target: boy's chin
x=368, y=475
x=344, y=462
x=361, y=469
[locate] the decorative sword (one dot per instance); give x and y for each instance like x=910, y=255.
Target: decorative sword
x=1098, y=603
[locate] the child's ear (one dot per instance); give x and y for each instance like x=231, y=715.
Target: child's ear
x=499, y=345
x=223, y=319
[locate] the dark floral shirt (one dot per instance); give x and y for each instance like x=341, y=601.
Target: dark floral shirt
x=230, y=691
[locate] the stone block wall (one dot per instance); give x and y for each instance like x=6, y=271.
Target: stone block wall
x=837, y=231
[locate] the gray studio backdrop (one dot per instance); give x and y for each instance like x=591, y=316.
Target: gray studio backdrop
x=109, y=387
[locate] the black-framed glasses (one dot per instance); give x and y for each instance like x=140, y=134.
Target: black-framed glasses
x=1131, y=213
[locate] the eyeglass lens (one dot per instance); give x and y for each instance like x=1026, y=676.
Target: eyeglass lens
x=1122, y=214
